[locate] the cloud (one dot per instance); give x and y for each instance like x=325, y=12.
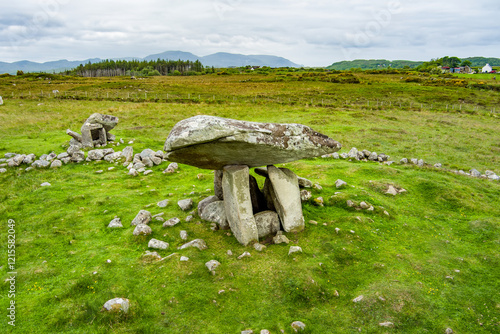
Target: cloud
x=314, y=32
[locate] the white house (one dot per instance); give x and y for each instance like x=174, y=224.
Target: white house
x=487, y=69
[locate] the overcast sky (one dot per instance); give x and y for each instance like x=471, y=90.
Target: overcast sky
x=311, y=33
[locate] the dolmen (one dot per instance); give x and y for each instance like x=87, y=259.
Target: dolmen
x=94, y=131
x=230, y=148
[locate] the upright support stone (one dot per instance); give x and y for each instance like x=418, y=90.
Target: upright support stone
x=284, y=190
x=238, y=204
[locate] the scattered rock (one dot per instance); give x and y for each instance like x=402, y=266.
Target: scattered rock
x=171, y=222
x=183, y=234
x=212, y=265
x=294, y=249
x=185, y=204
x=280, y=238
x=171, y=168
x=115, y=223
x=215, y=212
x=317, y=186
x=364, y=205
x=45, y=184
x=3, y=170
x=151, y=256
x=143, y=217
x=163, y=203
x=259, y=247
x=392, y=191
x=198, y=243
x=319, y=201
x=313, y=222
x=305, y=195
x=245, y=254
x=298, y=326
x=184, y=259
x=157, y=244
x=142, y=229
x=438, y=165
x=386, y=324
x=449, y=331
x=358, y=299
x=339, y=183
x=304, y=183
x=117, y=305
x=133, y=172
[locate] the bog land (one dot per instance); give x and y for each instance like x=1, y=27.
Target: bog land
x=432, y=263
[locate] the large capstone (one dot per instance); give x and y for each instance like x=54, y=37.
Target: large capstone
x=212, y=142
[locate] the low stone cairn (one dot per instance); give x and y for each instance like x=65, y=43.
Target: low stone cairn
x=231, y=148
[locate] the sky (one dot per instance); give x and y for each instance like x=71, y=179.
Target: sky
x=310, y=33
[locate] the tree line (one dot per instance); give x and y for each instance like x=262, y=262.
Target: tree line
x=111, y=68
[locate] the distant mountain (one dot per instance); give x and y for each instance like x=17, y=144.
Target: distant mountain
x=376, y=64
x=220, y=59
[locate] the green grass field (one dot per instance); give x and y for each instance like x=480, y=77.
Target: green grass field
x=432, y=264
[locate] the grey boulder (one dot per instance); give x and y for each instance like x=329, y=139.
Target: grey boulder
x=212, y=142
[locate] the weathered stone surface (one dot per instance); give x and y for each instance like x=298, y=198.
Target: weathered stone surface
x=157, y=244
x=3, y=170
x=115, y=223
x=163, y=203
x=215, y=212
x=245, y=254
x=45, y=184
x=212, y=265
x=267, y=223
x=286, y=196
x=238, y=205
x=142, y=229
x=40, y=164
x=147, y=153
x=198, y=243
x=95, y=154
x=213, y=142
x=339, y=183
x=204, y=202
x=304, y=183
x=294, y=249
x=183, y=234
x=128, y=153
x=56, y=163
x=298, y=326
x=172, y=168
x=185, y=204
x=113, y=156
x=305, y=195
x=62, y=155
x=218, y=184
x=95, y=129
x=117, y=305
x=143, y=217
x=171, y=222
x=280, y=238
